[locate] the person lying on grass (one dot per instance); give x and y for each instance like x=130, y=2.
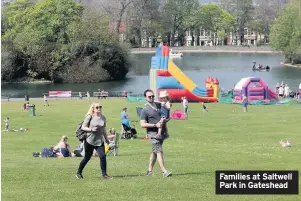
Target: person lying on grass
x=61, y=150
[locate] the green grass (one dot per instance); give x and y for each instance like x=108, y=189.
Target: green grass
x=220, y=139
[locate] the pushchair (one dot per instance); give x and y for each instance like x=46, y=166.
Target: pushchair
x=128, y=132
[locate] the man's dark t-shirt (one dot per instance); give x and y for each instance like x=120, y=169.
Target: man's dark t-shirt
x=151, y=116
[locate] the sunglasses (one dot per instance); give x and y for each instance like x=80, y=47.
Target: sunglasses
x=151, y=96
x=98, y=107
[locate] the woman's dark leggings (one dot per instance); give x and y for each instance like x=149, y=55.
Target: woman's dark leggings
x=89, y=152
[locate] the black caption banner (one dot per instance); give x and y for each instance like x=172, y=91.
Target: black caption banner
x=256, y=182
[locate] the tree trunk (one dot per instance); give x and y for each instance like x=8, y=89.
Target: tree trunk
x=119, y=22
x=122, y=11
x=139, y=38
x=192, y=36
x=147, y=39
x=173, y=39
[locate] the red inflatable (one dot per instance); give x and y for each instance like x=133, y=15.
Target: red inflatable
x=177, y=94
x=163, y=73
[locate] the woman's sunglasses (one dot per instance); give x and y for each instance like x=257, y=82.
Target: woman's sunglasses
x=98, y=107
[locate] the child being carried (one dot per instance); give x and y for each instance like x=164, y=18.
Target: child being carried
x=164, y=112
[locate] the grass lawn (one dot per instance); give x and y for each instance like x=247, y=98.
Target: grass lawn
x=218, y=140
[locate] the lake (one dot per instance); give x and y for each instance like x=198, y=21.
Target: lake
x=229, y=68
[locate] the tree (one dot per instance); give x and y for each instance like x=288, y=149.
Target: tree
x=286, y=32
x=145, y=16
x=116, y=9
x=15, y=17
x=242, y=10
x=265, y=14
x=98, y=48
x=215, y=19
x=40, y=32
x=56, y=40
x=173, y=17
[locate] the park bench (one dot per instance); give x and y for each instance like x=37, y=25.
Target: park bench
x=98, y=94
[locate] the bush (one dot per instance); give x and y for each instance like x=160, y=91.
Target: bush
x=115, y=60
x=95, y=62
x=13, y=64
x=63, y=45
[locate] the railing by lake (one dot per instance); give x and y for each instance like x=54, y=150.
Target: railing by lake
x=225, y=48
x=75, y=95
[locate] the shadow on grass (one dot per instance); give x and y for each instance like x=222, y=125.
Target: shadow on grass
x=173, y=174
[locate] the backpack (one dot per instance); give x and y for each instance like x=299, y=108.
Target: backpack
x=81, y=134
x=48, y=152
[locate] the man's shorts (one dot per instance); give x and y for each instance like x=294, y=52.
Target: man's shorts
x=157, y=145
x=185, y=109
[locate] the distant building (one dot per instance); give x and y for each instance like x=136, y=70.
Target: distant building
x=209, y=38
x=252, y=37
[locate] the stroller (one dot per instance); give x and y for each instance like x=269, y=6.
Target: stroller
x=128, y=132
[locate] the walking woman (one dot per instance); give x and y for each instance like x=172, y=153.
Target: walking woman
x=95, y=125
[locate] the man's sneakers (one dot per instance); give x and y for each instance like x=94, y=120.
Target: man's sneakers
x=167, y=174
x=149, y=173
x=79, y=176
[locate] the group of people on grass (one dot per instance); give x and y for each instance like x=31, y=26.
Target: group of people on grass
x=284, y=91
x=80, y=95
x=154, y=117
x=62, y=148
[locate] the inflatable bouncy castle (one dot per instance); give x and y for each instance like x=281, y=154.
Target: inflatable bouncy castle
x=166, y=76
x=255, y=89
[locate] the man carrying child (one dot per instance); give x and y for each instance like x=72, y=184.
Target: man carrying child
x=151, y=120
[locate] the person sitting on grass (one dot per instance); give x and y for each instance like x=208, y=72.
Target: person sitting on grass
x=63, y=148
x=112, y=134
x=245, y=104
